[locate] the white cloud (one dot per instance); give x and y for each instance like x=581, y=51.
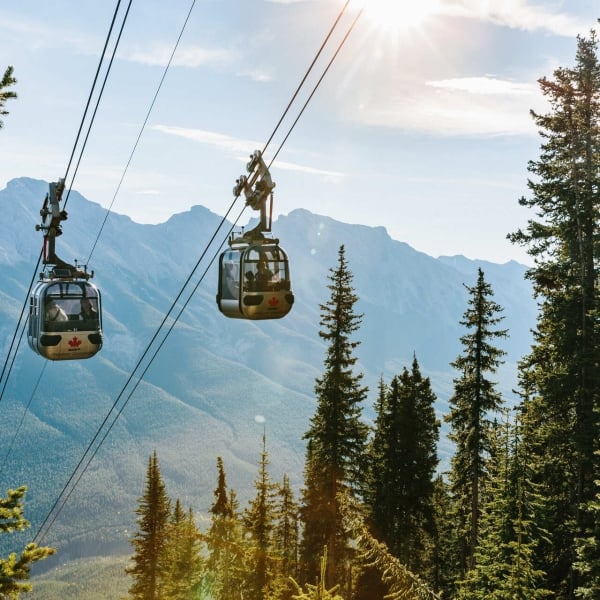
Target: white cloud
x=236, y=145
x=219, y=140
x=185, y=56
x=516, y=14
x=40, y=35
x=483, y=106
x=287, y=166
x=258, y=76
x=485, y=85
x=148, y=192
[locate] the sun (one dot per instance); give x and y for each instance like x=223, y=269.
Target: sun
x=396, y=15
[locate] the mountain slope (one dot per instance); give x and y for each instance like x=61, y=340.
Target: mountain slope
x=215, y=383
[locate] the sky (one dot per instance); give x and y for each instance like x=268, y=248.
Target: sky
x=421, y=124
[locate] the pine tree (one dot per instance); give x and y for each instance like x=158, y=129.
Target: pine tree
x=400, y=582
x=259, y=520
x=337, y=436
x=285, y=540
x=14, y=570
x=5, y=94
x=444, y=561
x=150, y=542
x=313, y=498
x=225, y=565
x=474, y=399
x=318, y=591
x=286, y=530
x=562, y=367
x=504, y=558
x=183, y=560
x=367, y=579
x=376, y=451
x=403, y=462
x=588, y=554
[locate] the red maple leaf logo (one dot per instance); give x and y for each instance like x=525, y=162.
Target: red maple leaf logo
x=75, y=342
x=273, y=301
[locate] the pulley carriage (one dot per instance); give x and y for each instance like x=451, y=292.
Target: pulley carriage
x=254, y=274
x=65, y=312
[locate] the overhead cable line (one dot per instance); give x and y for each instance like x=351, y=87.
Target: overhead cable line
x=91, y=451
x=100, y=94
x=18, y=429
x=81, y=152
x=12, y=362
x=82, y=122
x=16, y=333
x=137, y=141
x=112, y=23
x=348, y=32
x=312, y=64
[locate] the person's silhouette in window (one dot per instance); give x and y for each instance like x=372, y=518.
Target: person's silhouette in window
x=88, y=312
x=263, y=275
x=54, y=312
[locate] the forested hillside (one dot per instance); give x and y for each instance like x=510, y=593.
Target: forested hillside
x=417, y=427
x=213, y=377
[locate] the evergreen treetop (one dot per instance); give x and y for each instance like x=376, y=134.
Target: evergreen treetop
x=6, y=94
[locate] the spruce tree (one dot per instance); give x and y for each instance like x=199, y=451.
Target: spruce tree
x=367, y=579
x=14, y=570
x=403, y=462
x=474, y=400
x=337, y=436
x=505, y=555
x=183, y=559
x=6, y=94
x=285, y=540
x=400, y=582
x=259, y=523
x=225, y=564
x=562, y=367
x=318, y=591
x=150, y=541
x=588, y=554
x=444, y=560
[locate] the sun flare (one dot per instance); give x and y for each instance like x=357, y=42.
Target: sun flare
x=397, y=15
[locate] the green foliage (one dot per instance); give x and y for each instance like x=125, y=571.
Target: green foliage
x=318, y=591
x=401, y=582
x=445, y=563
x=5, y=94
x=403, y=458
x=337, y=436
x=505, y=556
x=15, y=569
x=184, y=563
x=588, y=553
x=474, y=399
x=286, y=535
x=149, y=566
x=259, y=524
x=562, y=369
x=226, y=567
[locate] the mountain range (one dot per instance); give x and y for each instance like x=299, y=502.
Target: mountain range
x=215, y=384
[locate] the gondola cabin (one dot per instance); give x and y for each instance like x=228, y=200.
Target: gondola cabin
x=65, y=320
x=254, y=282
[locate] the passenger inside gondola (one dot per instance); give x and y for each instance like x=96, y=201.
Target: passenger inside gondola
x=54, y=311
x=87, y=310
x=263, y=275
